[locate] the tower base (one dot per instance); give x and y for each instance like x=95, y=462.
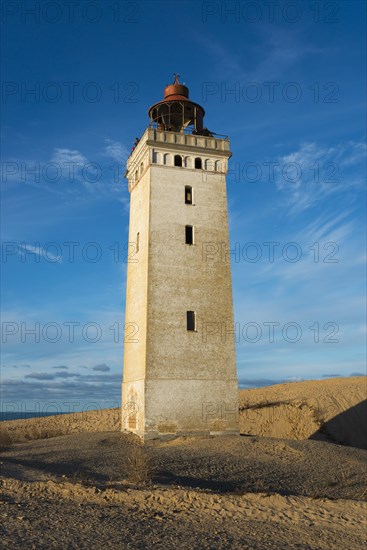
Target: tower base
x=170, y=408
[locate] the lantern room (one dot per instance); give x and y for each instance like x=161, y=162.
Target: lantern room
x=176, y=112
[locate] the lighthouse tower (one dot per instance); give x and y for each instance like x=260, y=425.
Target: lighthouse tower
x=179, y=351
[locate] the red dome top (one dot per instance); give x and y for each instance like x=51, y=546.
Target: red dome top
x=176, y=111
x=176, y=90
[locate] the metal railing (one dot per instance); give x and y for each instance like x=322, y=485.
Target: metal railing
x=189, y=130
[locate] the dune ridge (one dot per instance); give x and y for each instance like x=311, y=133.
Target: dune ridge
x=333, y=409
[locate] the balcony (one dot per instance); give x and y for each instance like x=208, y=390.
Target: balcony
x=218, y=143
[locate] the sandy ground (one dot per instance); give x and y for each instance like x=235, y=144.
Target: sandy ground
x=69, y=481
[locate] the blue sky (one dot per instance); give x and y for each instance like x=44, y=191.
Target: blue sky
x=287, y=87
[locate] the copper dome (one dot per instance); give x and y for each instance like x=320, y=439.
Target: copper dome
x=176, y=111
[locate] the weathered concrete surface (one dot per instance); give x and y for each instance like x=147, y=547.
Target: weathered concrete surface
x=178, y=381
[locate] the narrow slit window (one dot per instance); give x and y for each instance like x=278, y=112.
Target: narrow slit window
x=189, y=234
x=178, y=160
x=198, y=163
x=137, y=241
x=191, y=320
x=188, y=195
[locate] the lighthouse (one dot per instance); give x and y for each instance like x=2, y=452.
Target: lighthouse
x=179, y=347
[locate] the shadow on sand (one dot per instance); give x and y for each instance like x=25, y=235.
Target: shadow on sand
x=346, y=428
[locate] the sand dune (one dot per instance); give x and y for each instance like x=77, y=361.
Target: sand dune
x=105, y=420
x=66, y=480
x=334, y=409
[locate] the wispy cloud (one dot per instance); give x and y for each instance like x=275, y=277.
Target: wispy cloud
x=40, y=376
x=47, y=387
x=116, y=150
x=39, y=251
x=52, y=376
x=313, y=172
x=69, y=173
x=68, y=156
x=277, y=51
x=101, y=368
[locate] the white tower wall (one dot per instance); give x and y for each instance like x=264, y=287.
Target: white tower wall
x=178, y=381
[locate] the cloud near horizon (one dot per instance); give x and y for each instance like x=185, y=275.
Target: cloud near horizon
x=101, y=368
